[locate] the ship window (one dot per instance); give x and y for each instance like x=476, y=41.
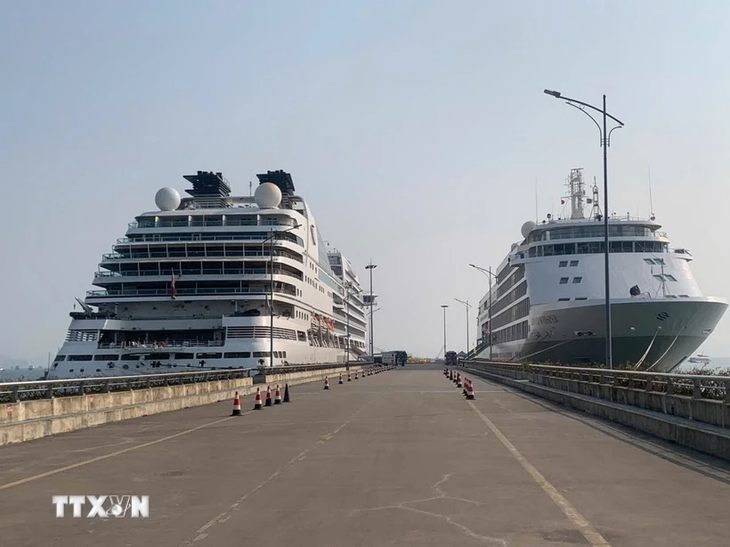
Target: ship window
x=670, y=277
x=283, y=354
x=106, y=357
x=577, y=279
x=659, y=277
x=125, y=367
x=684, y=296
x=563, y=264
x=659, y=261
x=649, y=261
x=260, y=353
x=563, y=280
x=563, y=299
x=209, y=355
x=573, y=263
x=237, y=355
x=79, y=357
x=184, y=355
x=130, y=357
x=60, y=358
x=581, y=298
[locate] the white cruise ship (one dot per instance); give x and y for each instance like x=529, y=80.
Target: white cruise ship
x=207, y=281
x=548, y=300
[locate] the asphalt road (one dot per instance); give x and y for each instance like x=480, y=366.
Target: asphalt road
x=400, y=458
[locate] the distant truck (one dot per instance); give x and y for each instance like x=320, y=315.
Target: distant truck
x=451, y=359
x=398, y=357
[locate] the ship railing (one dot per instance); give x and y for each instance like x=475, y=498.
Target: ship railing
x=671, y=393
x=161, y=346
x=247, y=271
x=186, y=292
x=207, y=253
x=192, y=238
x=13, y=392
x=212, y=222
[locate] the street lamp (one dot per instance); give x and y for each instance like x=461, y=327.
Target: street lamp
x=490, y=275
x=444, y=306
x=467, y=306
x=605, y=143
x=371, y=267
x=271, y=298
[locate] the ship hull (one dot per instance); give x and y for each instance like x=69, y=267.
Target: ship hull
x=657, y=334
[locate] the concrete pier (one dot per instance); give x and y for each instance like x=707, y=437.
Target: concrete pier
x=397, y=458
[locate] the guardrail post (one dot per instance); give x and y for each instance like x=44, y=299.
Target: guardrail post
x=149, y=383
x=670, y=386
x=81, y=387
x=727, y=391
x=696, y=389
x=129, y=385
x=49, y=392
x=649, y=384
x=106, y=386
x=630, y=383
x=16, y=394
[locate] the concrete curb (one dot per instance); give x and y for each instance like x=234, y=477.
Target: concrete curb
x=37, y=419
x=684, y=432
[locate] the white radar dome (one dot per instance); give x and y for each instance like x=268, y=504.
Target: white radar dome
x=527, y=227
x=167, y=199
x=267, y=195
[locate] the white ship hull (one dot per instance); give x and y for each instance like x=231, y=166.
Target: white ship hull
x=641, y=333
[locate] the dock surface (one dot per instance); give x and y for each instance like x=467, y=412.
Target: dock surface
x=397, y=458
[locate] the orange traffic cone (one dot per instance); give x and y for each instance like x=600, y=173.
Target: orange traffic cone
x=349, y=376
x=268, y=396
x=470, y=391
x=287, y=398
x=326, y=383
x=277, y=396
x=236, y=406
x=341, y=382
x=355, y=375
x=258, y=404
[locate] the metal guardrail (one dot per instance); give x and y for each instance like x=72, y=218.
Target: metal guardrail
x=14, y=392
x=714, y=388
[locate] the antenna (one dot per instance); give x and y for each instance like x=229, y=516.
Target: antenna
x=537, y=218
x=250, y=192
x=651, y=200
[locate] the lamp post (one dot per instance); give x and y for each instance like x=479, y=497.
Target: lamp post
x=444, y=306
x=467, y=306
x=371, y=267
x=271, y=297
x=490, y=275
x=605, y=143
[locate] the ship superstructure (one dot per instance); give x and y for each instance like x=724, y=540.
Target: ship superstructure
x=208, y=281
x=547, y=304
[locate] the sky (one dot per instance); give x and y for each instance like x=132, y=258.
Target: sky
x=417, y=131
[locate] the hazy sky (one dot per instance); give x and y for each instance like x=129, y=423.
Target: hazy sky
x=416, y=130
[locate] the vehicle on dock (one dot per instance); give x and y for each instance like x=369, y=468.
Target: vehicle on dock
x=451, y=360
x=398, y=357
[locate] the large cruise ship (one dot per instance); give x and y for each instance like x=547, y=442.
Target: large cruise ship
x=548, y=300
x=208, y=281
